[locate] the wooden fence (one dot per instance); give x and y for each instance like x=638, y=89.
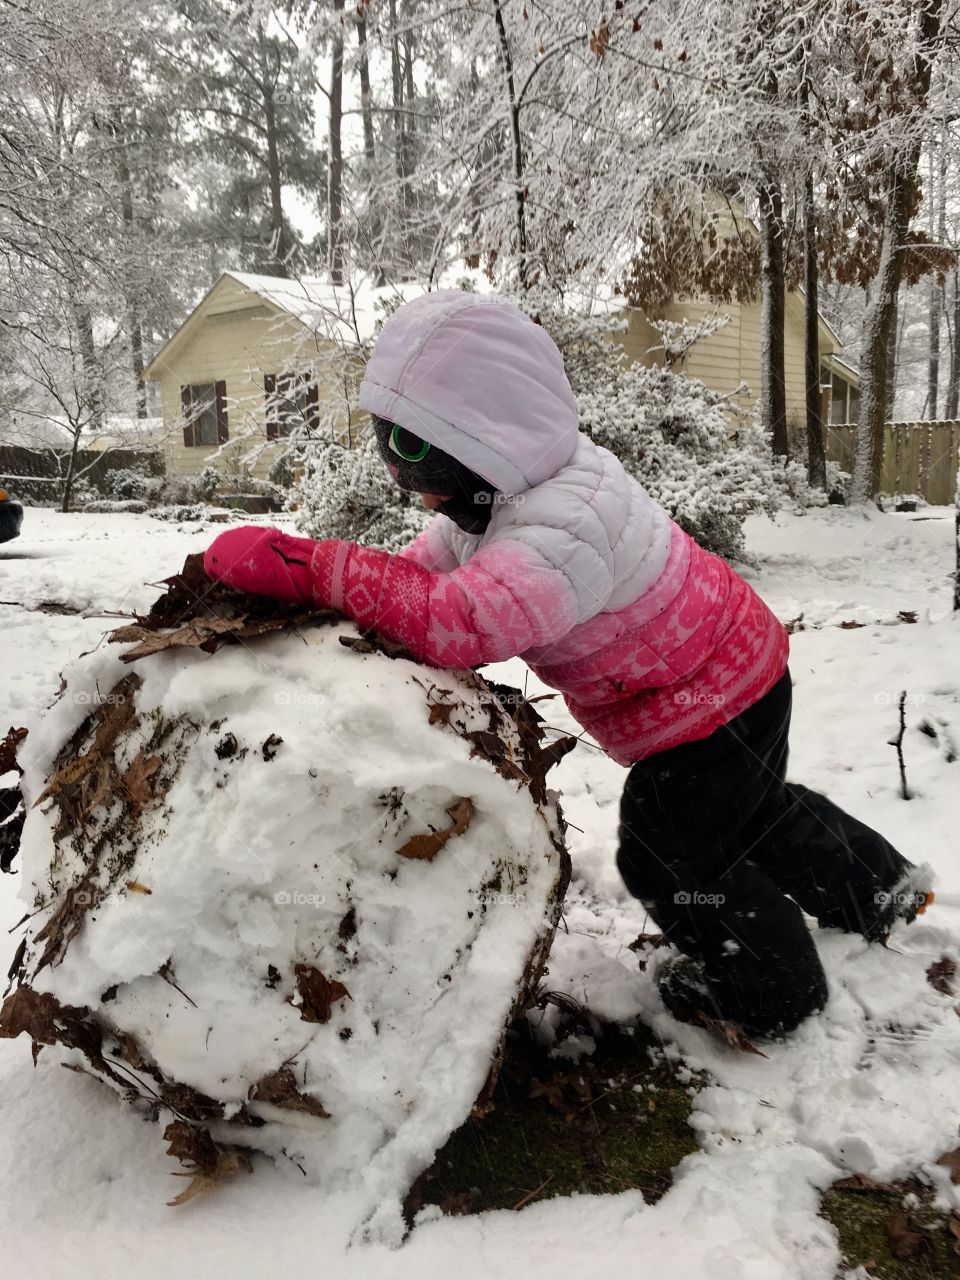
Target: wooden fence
x=38, y=474
x=918, y=457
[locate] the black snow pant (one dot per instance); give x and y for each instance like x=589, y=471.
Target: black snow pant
x=712, y=840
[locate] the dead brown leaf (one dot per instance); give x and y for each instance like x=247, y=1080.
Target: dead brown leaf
x=136, y=780
x=440, y=712
x=863, y=1182
x=317, y=993
x=727, y=1031
x=280, y=1089
x=939, y=974
x=905, y=1240
x=206, y=1163
x=851, y=626
x=8, y=750
x=907, y=615
x=426, y=847
x=951, y=1160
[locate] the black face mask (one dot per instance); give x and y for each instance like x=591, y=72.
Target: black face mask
x=420, y=467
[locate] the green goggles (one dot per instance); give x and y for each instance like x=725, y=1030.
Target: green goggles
x=410, y=447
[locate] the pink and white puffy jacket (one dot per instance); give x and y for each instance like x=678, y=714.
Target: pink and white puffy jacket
x=652, y=640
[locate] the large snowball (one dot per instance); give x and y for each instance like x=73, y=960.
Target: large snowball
x=248, y=916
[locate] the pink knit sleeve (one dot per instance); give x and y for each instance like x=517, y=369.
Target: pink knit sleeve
x=505, y=600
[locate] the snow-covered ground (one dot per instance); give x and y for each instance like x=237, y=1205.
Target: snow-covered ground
x=870, y=1085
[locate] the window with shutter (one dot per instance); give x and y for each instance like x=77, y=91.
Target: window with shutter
x=204, y=407
x=270, y=401
x=220, y=390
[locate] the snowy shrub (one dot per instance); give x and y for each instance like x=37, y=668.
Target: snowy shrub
x=283, y=472
x=82, y=492
x=206, y=484
x=126, y=483
x=349, y=493
x=671, y=432
x=180, y=511
x=111, y=506
x=797, y=491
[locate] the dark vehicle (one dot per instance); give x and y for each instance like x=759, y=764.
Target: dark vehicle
x=11, y=517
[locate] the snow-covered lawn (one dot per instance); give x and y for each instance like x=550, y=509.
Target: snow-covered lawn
x=871, y=1085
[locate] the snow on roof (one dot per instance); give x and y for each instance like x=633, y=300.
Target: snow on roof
x=348, y=313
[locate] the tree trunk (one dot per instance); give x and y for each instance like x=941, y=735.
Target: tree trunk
x=880, y=314
x=877, y=325
x=71, y=470
x=366, y=96
x=933, y=350
x=131, y=290
x=409, y=88
x=335, y=254
x=816, y=456
x=280, y=245
x=773, y=391
x=400, y=152
x=91, y=396
x=938, y=183
x=518, y=184
x=953, y=390
x=890, y=385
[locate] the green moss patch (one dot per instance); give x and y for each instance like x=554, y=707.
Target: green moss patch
x=613, y=1121
x=892, y=1230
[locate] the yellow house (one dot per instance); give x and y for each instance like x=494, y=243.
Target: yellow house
x=728, y=359
x=257, y=355
x=260, y=354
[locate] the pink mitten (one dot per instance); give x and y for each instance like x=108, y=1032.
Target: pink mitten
x=263, y=560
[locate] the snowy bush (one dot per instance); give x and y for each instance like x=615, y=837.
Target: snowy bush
x=178, y=512
x=349, y=493
x=797, y=491
x=126, y=483
x=206, y=484
x=82, y=492
x=670, y=432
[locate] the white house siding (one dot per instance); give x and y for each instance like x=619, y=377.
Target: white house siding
x=730, y=356
x=237, y=338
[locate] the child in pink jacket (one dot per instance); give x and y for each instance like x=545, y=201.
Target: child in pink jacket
x=543, y=546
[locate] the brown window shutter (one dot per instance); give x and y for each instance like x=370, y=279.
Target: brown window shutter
x=186, y=408
x=270, y=398
x=313, y=405
x=220, y=389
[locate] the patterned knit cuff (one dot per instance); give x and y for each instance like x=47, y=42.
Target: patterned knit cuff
x=328, y=566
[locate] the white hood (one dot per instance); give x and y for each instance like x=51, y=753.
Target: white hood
x=481, y=381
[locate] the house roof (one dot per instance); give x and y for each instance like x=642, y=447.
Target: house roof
x=339, y=313
x=843, y=367
x=349, y=315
